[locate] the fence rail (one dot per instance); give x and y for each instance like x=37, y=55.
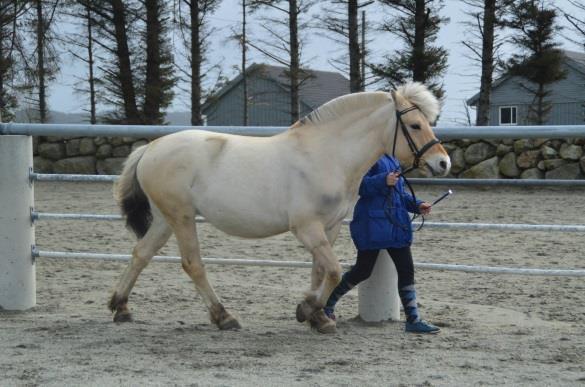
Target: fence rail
x=417, y=181
x=36, y=216
x=443, y=133
x=307, y=264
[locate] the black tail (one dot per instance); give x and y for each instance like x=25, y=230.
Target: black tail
x=131, y=198
x=136, y=208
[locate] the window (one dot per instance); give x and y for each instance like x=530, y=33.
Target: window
x=508, y=115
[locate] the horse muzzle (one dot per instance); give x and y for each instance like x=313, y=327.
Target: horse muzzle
x=438, y=164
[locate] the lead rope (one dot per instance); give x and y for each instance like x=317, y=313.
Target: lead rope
x=414, y=215
x=390, y=206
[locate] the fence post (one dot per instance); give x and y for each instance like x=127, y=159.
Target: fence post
x=17, y=268
x=378, y=295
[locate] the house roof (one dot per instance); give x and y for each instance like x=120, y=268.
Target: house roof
x=573, y=59
x=317, y=87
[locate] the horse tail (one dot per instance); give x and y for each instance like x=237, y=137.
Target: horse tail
x=131, y=197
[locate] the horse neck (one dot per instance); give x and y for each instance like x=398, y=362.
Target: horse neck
x=361, y=142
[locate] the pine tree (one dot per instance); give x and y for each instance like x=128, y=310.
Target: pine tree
x=159, y=79
x=417, y=24
x=115, y=22
x=137, y=77
x=540, y=61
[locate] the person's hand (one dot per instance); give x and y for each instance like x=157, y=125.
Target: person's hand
x=392, y=178
x=425, y=208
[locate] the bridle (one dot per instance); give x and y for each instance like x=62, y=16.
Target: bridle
x=418, y=153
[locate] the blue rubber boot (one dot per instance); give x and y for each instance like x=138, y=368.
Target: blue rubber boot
x=342, y=287
x=414, y=324
x=421, y=326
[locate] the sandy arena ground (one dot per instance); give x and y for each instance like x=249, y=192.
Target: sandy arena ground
x=496, y=329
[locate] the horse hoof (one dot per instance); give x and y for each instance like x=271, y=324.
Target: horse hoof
x=304, y=310
x=322, y=324
x=229, y=324
x=328, y=329
x=124, y=316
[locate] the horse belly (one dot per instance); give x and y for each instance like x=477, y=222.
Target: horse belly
x=245, y=225
x=239, y=217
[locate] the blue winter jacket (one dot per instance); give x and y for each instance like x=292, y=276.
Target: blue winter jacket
x=381, y=217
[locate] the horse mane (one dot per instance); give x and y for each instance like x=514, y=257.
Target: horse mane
x=420, y=96
x=415, y=92
x=341, y=105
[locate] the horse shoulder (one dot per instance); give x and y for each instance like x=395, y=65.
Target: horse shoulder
x=216, y=145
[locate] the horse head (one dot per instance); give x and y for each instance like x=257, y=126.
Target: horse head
x=414, y=142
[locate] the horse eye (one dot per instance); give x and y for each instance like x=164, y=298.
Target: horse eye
x=415, y=126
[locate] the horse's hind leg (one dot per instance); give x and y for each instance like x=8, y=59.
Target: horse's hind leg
x=186, y=233
x=154, y=239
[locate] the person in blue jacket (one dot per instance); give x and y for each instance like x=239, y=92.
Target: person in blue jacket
x=381, y=220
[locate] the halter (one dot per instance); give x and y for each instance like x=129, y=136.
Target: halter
x=418, y=153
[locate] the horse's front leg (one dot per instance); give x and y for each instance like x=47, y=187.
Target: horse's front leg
x=324, y=276
x=317, y=273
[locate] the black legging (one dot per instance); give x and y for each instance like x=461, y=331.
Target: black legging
x=366, y=259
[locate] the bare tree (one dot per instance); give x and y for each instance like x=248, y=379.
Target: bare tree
x=81, y=47
x=193, y=26
x=285, y=48
x=341, y=20
x=484, y=24
x=578, y=22
x=41, y=66
x=11, y=60
x=243, y=44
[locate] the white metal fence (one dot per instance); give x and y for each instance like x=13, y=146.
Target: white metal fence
x=13, y=175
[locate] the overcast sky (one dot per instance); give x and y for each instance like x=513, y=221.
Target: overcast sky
x=461, y=80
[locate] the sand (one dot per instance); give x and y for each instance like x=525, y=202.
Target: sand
x=496, y=329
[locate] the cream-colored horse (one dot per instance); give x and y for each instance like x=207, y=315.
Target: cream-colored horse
x=304, y=180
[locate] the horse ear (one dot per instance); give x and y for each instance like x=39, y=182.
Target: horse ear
x=393, y=93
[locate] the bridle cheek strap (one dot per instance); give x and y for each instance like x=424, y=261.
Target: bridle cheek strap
x=418, y=153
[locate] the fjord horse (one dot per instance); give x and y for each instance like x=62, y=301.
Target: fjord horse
x=304, y=180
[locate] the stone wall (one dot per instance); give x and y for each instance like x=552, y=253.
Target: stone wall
x=519, y=159
x=85, y=155
x=482, y=159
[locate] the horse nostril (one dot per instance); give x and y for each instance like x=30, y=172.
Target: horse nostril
x=443, y=164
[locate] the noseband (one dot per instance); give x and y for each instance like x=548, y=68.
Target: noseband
x=418, y=153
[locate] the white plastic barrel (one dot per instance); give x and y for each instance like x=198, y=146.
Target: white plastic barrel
x=378, y=295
